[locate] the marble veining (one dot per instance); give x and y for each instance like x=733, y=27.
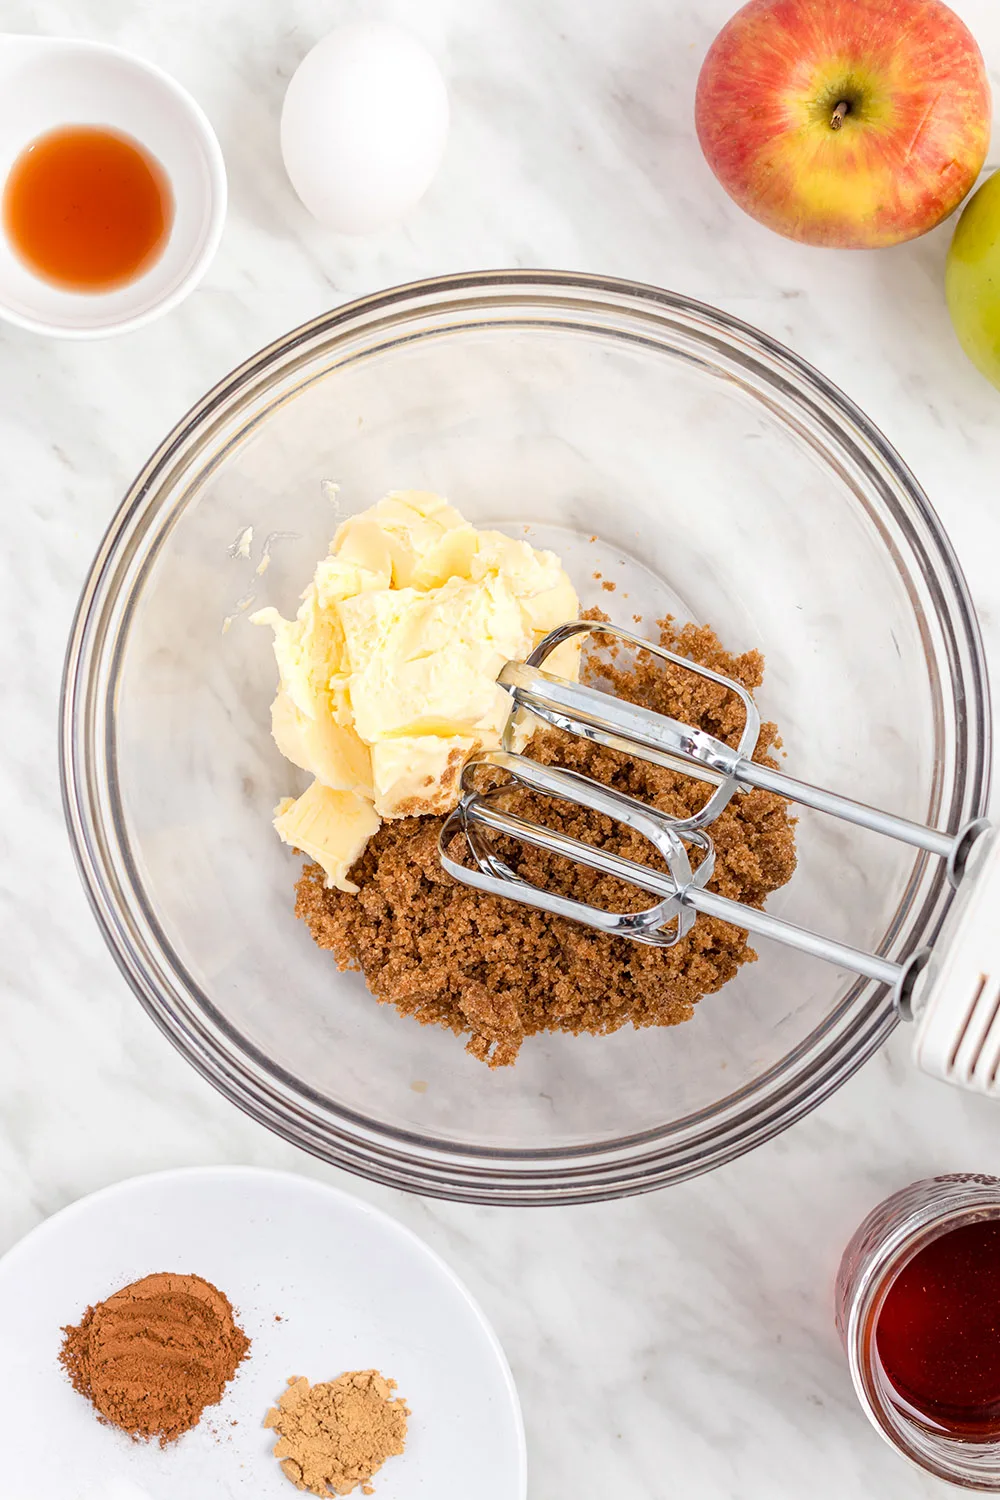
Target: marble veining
x=681, y=1343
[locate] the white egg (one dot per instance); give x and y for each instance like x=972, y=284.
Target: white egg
x=363, y=126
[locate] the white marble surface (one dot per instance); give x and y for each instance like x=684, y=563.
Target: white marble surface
x=676, y=1344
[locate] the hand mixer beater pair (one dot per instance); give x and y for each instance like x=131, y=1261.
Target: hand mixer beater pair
x=952, y=988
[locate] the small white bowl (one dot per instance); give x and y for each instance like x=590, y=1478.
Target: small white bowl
x=47, y=82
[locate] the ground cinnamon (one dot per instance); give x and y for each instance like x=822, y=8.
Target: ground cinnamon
x=499, y=972
x=155, y=1354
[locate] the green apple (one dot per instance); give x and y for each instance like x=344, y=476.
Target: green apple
x=972, y=279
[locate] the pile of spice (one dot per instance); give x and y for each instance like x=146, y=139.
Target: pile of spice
x=499, y=972
x=154, y=1355
x=334, y=1436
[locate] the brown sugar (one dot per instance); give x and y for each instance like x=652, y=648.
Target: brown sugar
x=333, y=1436
x=499, y=972
x=152, y=1356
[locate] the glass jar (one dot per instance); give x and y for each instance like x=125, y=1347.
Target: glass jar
x=889, y=1238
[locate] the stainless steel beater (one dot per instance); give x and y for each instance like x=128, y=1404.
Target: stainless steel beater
x=958, y=982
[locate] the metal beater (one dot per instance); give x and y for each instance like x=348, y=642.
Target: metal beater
x=968, y=946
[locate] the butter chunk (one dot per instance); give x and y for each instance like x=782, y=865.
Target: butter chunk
x=362, y=544
x=427, y=539
x=429, y=662
x=564, y=661
x=535, y=578
x=331, y=752
x=418, y=774
x=309, y=652
x=339, y=578
x=331, y=828
x=387, y=674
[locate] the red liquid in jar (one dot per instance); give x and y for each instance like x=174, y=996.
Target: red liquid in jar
x=938, y=1333
x=87, y=208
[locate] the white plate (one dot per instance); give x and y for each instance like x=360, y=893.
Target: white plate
x=353, y=1290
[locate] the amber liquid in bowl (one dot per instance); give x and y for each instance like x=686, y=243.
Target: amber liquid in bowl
x=87, y=208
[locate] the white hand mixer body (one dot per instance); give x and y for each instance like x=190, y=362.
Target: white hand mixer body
x=951, y=990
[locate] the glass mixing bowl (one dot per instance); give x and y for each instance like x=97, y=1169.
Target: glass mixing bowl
x=721, y=477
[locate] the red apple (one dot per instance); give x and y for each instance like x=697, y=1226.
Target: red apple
x=845, y=122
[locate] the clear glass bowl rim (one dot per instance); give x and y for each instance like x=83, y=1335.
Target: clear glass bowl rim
x=608, y=1169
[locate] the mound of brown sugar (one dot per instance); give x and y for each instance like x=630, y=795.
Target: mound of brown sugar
x=332, y=1437
x=155, y=1354
x=500, y=972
